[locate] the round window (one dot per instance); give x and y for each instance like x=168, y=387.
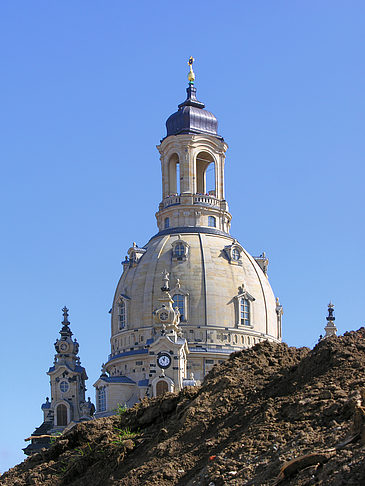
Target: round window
x=235, y=254
x=63, y=386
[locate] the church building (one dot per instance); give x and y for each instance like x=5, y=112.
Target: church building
x=68, y=405
x=192, y=295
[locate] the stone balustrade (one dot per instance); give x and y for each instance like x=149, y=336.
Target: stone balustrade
x=197, y=199
x=171, y=201
x=206, y=199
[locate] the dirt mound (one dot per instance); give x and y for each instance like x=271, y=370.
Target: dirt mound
x=253, y=414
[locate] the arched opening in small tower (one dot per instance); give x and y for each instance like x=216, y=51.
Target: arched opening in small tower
x=161, y=388
x=61, y=414
x=205, y=174
x=174, y=174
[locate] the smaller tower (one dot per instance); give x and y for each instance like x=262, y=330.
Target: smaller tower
x=330, y=328
x=159, y=367
x=67, y=378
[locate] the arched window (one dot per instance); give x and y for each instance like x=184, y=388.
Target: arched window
x=122, y=311
x=245, y=312
x=101, y=399
x=180, y=250
x=61, y=414
x=180, y=304
x=211, y=221
x=174, y=174
x=161, y=387
x=167, y=223
x=205, y=174
x=235, y=254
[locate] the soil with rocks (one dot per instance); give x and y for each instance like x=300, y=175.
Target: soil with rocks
x=269, y=415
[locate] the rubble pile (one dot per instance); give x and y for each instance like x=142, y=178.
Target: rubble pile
x=270, y=415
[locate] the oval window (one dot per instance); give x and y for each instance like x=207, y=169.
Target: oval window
x=63, y=386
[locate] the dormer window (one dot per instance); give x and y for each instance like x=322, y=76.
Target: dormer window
x=234, y=253
x=135, y=254
x=244, y=312
x=180, y=250
x=212, y=221
x=167, y=223
x=122, y=314
x=122, y=311
x=244, y=308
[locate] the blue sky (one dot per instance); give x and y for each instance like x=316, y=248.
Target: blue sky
x=86, y=88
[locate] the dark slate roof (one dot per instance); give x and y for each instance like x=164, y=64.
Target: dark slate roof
x=117, y=379
x=191, y=229
x=37, y=444
x=143, y=382
x=46, y=405
x=78, y=369
x=129, y=353
x=192, y=118
x=149, y=341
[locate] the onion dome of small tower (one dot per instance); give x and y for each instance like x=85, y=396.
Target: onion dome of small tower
x=191, y=116
x=330, y=328
x=66, y=345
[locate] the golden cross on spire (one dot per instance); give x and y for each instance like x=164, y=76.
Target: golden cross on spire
x=191, y=75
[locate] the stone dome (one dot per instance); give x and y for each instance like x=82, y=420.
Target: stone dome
x=212, y=283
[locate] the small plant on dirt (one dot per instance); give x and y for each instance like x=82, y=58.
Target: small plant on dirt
x=83, y=452
x=55, y=437
x=121, y=409
x=123, y=434
x=63, y=468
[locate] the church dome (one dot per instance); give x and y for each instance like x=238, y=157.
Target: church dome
x=192, y=295
x=224, y=296
x=191, y=117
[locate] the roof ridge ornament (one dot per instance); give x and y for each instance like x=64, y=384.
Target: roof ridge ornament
x=191, y=99
x=65, y=331
x=191, y=74
x=65, y=321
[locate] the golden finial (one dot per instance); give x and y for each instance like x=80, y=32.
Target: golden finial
x=191, y=75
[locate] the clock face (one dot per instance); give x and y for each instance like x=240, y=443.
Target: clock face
x=63, y=346
x=164, y=316
x=164, y=360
